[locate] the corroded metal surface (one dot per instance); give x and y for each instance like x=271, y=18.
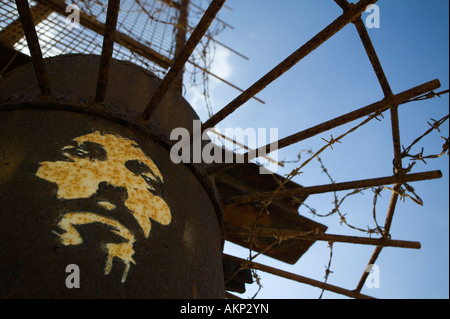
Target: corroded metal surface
x=81, y=185
x=129, y=89
x=153, y=234
x=73, y=79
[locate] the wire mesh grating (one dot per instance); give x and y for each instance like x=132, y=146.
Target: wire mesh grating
x=152, y=23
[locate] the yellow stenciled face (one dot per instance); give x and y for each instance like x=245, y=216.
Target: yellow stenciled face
x=98, y=158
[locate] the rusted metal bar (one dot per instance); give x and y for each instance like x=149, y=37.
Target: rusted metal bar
x=294, y=234
x=376, y=64
x=391, y=209
x=398, y=167
x=368, y=45
x=181, y=41
x=380, y=106
x=373, y=57
x=370, y=50
x=183, y=57
x=34, y=47
x=365, y=275
x=120, y=38
x=387, y=227
x=289, y=62
x=295, y=277
x=335, y=187
x=107, y=50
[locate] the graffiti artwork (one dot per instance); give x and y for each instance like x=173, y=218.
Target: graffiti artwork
x=99, y=161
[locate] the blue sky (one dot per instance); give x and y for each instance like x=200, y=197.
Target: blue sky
x=413, y=46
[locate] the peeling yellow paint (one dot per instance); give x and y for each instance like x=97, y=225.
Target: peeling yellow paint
x=85, y=169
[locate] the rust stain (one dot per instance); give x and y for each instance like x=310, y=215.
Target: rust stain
x=97, y=158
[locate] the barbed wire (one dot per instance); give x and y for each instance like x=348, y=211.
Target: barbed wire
x=404, y=191
x=434, y=126
x=263, y=206
x=328, y=271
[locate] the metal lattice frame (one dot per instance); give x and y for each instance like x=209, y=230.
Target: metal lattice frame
x=391, y=102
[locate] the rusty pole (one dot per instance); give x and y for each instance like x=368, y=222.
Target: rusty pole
x=107, y=50
x=335, y=187
x=182, y=58
x=299, y=235
x=301, y=279
x=34, y=47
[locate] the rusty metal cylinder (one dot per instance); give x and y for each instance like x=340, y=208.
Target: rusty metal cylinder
x=87, y=192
